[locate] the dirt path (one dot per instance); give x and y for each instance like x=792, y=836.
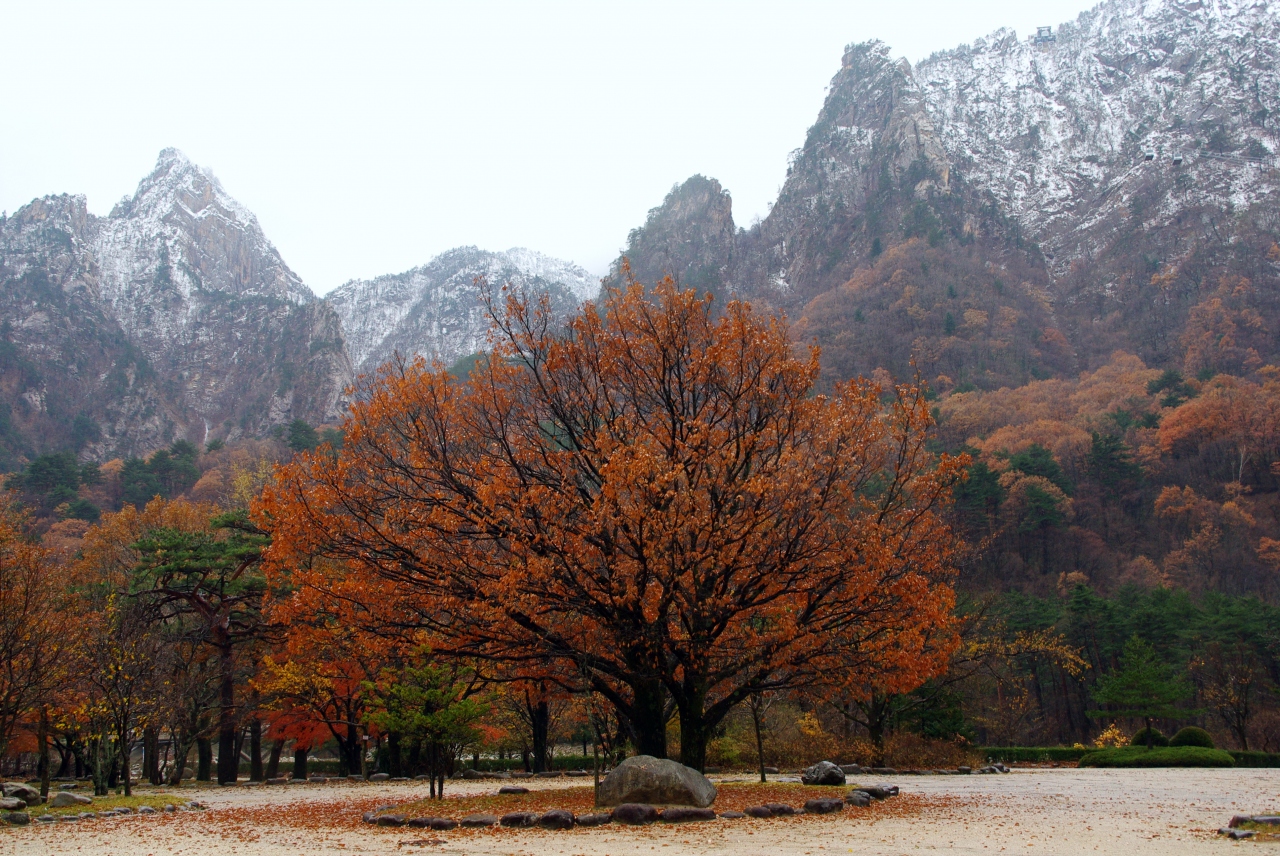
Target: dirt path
x=1129, y=812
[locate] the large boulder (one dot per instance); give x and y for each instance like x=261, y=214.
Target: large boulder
x=24, y=792
x=823, y=773
x=66, y=798
x=656, y=781
x=12, y=804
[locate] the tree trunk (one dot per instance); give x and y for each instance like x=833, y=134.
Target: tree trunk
x=393, y=755
x=648, y=719
x=755, y=721
x=228, y=760
x=694, y=732
x=540, y=716
x=1150, y=736
x=43, y=737
x=299, y=762
x=126, y=768
x=204, y=759
x=273, y=762
x=255, y=750
x=151, y=754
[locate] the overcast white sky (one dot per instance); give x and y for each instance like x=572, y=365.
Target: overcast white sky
x=368, y=137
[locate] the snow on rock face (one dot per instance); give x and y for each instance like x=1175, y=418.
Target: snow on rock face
x=1060, y=132
x=177, y=241
x=437, y=310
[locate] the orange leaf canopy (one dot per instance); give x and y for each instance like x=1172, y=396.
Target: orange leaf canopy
x=650, y=502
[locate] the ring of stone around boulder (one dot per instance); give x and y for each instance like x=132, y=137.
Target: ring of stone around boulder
x=512, y=789
x=635, y=814
x=519, y=818
x=474, y=820
x=557, y=818
x=595, y=819
x=682, y=814
x=644, y=779
x=823, y=805
x=823, y=773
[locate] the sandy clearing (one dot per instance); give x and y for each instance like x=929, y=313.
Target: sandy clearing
x=1063, y=811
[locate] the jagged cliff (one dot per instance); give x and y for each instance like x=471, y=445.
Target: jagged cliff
x=1093, y=192
x=171, y=317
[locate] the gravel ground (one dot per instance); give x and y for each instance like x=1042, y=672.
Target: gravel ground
x=1038, y=811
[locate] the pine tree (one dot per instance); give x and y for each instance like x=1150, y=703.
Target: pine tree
x=1143, y=686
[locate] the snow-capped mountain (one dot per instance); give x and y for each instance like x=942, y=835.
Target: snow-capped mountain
x=437, y=310
x=1064, y=131
x=172, y=317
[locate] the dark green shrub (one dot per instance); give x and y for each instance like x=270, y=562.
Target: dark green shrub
x=1192, y=736
x=1140, y=756
x=1157, y=739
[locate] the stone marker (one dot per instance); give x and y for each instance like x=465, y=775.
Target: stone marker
x=634, y=814
x=823, y=773
x=645, y=779
x=823, y=805
x=681, y=814
x=557, y=818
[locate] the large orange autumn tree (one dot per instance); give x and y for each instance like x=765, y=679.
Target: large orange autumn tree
x=650, y=503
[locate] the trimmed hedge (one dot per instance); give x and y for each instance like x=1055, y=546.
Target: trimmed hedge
x=1192, y=736
x=1256, y=759
x=1140, y=756
x=1157, y=739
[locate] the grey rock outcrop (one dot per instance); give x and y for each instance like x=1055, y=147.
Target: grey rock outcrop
x=823, y=773
x=645, y=779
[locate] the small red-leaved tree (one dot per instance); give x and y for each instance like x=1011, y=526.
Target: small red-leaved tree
x=651, y=501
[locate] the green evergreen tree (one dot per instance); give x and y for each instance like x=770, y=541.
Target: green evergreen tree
x=1143, y=686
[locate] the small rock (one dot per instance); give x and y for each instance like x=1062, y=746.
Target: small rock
x=518, y=774
x=279, y=780
x=391, y=820
x=88, y=815
x=519, y=819
x=861, y=799
x=772, y=771
x=578, y=773
x=595, y=819
x=443, y=824
x=170, y=808
x=823, y=805
x=823, y=773
x=473, y=820
x=512, y=789
x=355, y=778
x=320, y=780
x=369, y=817
x=1236, y=833
x=884, y=771
x=759, y=811
x=851, y=769
x=879, y=792
x=379, y=777
x=710, y=771
x=68, y=786
x=681, y=814
x=12, y=804
x=146, y=809
x=781, y=809
x=1268, y=819
x=66, y=798
x=17, y=818
x=549, y=774
x=47, y=818
x=557, y=818
x=635, y=814
x=732, y=815
x=964, y=771
x=419, y=822
x=69, y=818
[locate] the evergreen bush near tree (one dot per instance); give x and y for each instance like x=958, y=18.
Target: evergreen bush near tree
x=1192, y=736
x=1142, y=687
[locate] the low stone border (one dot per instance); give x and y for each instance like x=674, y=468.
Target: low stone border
x=633, y=814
